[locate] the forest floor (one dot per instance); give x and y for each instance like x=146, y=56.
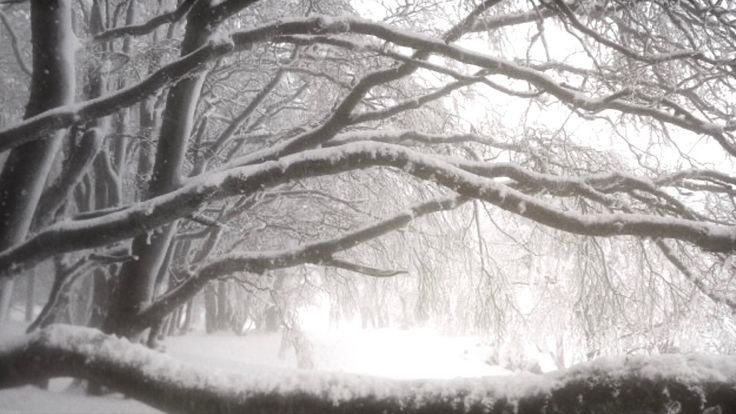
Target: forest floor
x=390, y=353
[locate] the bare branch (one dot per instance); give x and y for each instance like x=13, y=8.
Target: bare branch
x=65, y=116
x=658, y=58
x=67, y=277
x=157, y=211
x=362, y=269
x=14, y=45
x=258, y=262
x=694, y=279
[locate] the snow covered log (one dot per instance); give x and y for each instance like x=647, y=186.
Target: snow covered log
x=667, y=383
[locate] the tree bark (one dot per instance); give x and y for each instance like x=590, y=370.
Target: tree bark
x=27, y=167
x=30, y=296
x=188, y=315
x=223, y=307
x=210, y=308
x=137, y=278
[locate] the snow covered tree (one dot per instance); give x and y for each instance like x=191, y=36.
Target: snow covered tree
x=226, y=140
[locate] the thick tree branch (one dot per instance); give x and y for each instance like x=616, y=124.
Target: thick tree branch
x=81, y=156
x=227, y=8
x=68, y=115
x=697, y=174
x=511, y=19
x=694, y=384
x=66, y=279
x=172, y=16
x=150, y=214
x=409, y=136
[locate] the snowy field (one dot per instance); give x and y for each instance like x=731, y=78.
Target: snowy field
x=392, y=353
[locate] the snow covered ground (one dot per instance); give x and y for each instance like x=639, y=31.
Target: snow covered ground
x=392, y=353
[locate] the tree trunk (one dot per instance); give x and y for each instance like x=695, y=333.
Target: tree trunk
x=223, y=308
x=100, y=298
x=137, y=278
x=188, y=315
x=272, y=320
x=210, y=308
x=27, y=167
x=30, y=295
x=76, y=165
x=171, y=323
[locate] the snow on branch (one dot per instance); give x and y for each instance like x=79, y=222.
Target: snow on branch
x=66, y=116
x=359, y=268
x=543, y=82
x=66, y=277
x=323, y=250
x=697, y=174
x=319, y=252
x=409, y=136
x=595, y=187
x=172, y=16
x=414, y=103
x=652, y=58
x=329, y=25
x=665, y=383
x=155, y=212
x=517, y=18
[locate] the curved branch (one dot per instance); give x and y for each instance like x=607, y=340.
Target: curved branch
x=362, y=269
x=157, y=211
x=81, y=156
x=67, y=278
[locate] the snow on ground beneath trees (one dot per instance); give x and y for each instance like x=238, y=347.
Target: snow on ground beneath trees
x=391, y=353
x=60, y=400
